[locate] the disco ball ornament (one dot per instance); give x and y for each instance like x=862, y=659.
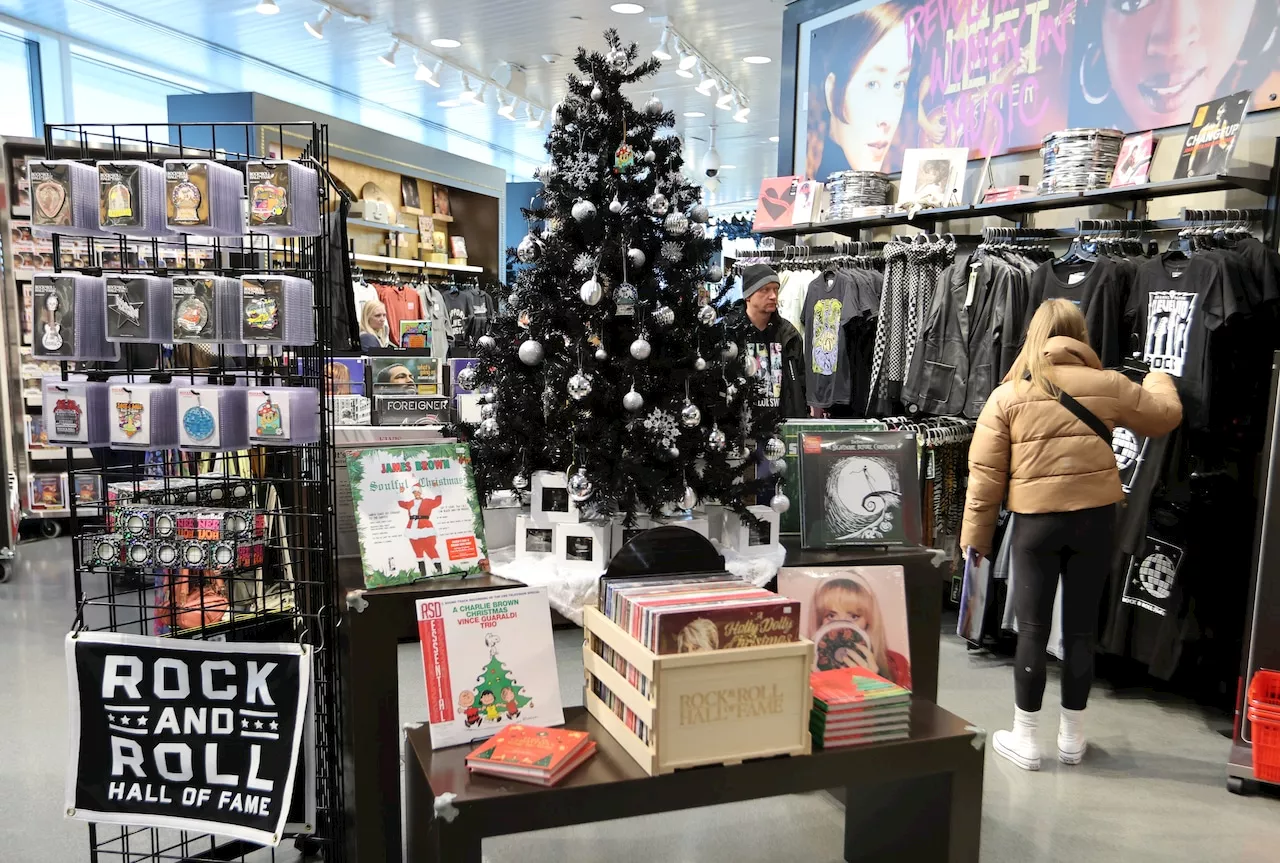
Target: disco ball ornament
x=774, y=448
x=715, y=273
x=641, y=349
x=689, y=499
x=690, y=416
x=654, y=106
x=579, y=486
x=596, y=93
x=467, y=378
x=650, y=157
x=676, y=223
x=716, y=439
x=617, y=58
x=635, y=257
x=729, y=352
x=699, y=213
x=706, y=316
x=487, y=342
x=591, y=292
x=583, y=211
x=779, y=503
x=488, y=411
x=700, y=364
x=633, y=401
x=531, y=352
x=664, y=316
x=658, y=204
x=488, y=428
x=615, y=206
x=529, y=250
x=520, y=482
x=673, y=452
x=580, y=386
x=601, y=355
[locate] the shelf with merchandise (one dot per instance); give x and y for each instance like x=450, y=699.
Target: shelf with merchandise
x=382, y=226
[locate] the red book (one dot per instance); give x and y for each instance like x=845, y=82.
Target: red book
x=541, y=751
x=536, y=777
x=851, y=688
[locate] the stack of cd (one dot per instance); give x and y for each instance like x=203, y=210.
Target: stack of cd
x=139, y=309
x=70, y=318
x=146, y=415
x=203, y=198
x=277, y=310
x=212, y=418
x=855, y=194
x=131, y=198
x=284, y=416
x=1077, y=160
x=64, y=197
x=206, y=309
x=284, y=199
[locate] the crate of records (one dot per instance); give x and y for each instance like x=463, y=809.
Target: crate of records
x=697, y=668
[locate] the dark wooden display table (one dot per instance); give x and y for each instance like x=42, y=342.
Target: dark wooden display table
x=917, y=800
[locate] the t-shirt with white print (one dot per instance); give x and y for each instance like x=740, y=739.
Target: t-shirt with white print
x=764, y=356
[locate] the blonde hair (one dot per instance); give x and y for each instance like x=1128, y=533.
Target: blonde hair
x=367, y=311
x=700, y=634
x=1053, y=318
x=853, y=596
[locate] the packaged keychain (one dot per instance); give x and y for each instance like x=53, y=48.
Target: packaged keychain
x=203, y=197
x=145, y=416
x=76, y=412
x=70, y=312
x=284, y=199
x=284, y=416
x=64, y=197
x=139, y=309
x=131, y=198
x=210, y=418
x=277, y=309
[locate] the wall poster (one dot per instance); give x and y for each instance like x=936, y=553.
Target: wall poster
x=878, y=77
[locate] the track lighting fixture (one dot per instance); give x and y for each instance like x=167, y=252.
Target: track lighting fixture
x=740, y=115
x=389, y=58
x=708, y=82
x=267, y=7
x=661, y=51
x=317, y=29
x=507, y=109
x=725, y=102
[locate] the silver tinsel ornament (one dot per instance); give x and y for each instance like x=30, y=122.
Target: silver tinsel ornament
x=699, y=214
x=487, y=342
x=654, y=106
x=579, y=486
x=615, y=206
x=730, y=393
x=706, y=315
x=635, y=257
x=664, y=316
x=617, y=58
x=520, y=482
x=780, y=503
x=488, y=428
x=591, y=292
x=690, y=416
x=640, y=349
x=531, y=352
x=700, y=364
x=633, y=401
x=774, y=448
x=689, y=499
x=650, y=157
x=583, y=211
x=596, y=93
x=658, y=204
x=715, y=273
x=529, y=250
x=467, y=378
x=580, y=386
x=488, y=411
x=716, y=439
x=676, y=223
x=601, y=355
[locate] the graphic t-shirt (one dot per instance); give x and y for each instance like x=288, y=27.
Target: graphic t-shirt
x=831, y=302
x=765, y=352
x=1100, y=293
x=458, y=309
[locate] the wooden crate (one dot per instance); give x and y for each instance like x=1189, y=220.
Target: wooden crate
x=715, y=707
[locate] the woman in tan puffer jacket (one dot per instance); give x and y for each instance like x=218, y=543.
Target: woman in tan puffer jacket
x=1060, y=477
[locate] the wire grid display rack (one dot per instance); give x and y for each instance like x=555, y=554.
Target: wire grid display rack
x=282, y=587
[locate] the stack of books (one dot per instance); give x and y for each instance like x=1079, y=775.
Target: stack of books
x=527, y=753
x=854, y=705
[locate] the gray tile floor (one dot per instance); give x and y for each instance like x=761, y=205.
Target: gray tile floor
x=1151, y=789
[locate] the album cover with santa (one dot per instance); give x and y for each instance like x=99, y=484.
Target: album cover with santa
x=417, y=513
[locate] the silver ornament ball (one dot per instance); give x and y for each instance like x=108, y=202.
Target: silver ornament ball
x=700, y=364
x=633, y=401
x=488, y=428
x=615, y=206
x=664, y=316
x=520, y=482
x=579, y=486
x=778, y=466
x=673, y=452
x=640, y=349
x=467, y=378
x=676, y=223
x=730, y=352
x=690, y=416
x=601, y=355
x=780, y=503
x=513, y=299
x=580, y=386
x=635, y=257
x=699, y=214
x=591, y=292
x=774, y=448
x=583, y=211
x=529, y=250
x=653, y=107
x=488, y=411
x=689, y=499
x=706, y=315
x=715, y=273
x=617, y=58
x=716, y=439
x=487, y=342
x=531, y=352
x=658, y=204
x=596, y=93
x=650, y=157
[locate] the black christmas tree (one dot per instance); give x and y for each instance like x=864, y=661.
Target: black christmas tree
x=609, y=361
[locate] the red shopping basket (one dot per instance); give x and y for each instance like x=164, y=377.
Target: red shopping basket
x=1264, y=718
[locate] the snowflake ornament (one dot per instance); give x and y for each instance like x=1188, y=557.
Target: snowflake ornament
x=672, y=251
x=580, y=170
x=663, y=425
x=583, y=263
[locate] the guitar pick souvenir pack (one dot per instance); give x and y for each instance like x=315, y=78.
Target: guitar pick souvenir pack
x=75, y=412
x=284, y=199
x=284, y=416
x=139, y=308
x=211, y=418
x=144, y=416
x=206, y=309
x=131, y=198
x=64, y=197
x=277, y=310
x=70, y=318
x=203, y=197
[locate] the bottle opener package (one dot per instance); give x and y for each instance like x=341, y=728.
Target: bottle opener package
x=206, y=309
x=64, y=197
x=211, y=418
x=145, y=416
x=76, y=411
x=284, y=199
x=203, y=197
x=277, y=310
x=139, y=309
x=284, y=416
x=131, y=199
x=70, y=318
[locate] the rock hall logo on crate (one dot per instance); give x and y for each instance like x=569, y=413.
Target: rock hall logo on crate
x=731, y=704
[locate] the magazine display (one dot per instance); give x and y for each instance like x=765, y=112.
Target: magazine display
x=859, y=488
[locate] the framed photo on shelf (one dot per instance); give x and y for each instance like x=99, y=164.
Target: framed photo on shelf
x=458, y=245
x=409, y=194
x=440, y=200
x=1133, y=168
x=439, y=242
x=933, y=178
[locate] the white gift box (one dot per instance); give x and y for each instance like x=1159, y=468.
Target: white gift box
x=697, y=523
x=583, y=545
x=499, y=525
x=550, y=499
x=715, y=520
x=533, y=536
x=750, y=539
x=620, y=535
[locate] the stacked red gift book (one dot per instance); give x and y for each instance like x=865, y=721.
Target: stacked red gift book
x=854, y=705
x=542, y=756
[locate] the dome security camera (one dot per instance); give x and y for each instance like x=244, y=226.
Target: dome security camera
x=711, y=161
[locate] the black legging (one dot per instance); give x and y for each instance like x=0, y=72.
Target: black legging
x=1076, y=545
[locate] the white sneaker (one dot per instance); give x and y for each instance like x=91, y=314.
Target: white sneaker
x=1022, y=751
x=1071, y=742
x=1071, y=751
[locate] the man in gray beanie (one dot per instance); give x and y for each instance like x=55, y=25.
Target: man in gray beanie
x=773, y=348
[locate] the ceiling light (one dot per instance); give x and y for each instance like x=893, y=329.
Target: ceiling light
x=773, y=139
x=267, y=7
x=389, y=58
x=445, y=43
x=694, y=114
x=448, y=103
x=707, y=84
x=757, y=60
x=687, y=60
x=529, y=121
x=661, y=51
x=627, y=8
x=467, y=95
x=317, y=29
x=507, y=109
x=684, y=73
x=425, y=73
x=725, y=102
x=740, y=115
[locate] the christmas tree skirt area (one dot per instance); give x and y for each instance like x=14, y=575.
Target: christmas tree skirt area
x=571, y=589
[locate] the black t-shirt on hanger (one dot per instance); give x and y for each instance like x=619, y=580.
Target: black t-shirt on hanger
x=1100, y=292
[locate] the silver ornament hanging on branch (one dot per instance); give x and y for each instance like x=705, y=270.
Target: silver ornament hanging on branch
x=774, y=448
x=488, y=428
x=487, y=342
x=529, y=250
x=579, y=486
x=658, y=204
x=467, y=378
x=716, y=439
x=700, y=364
x=715, y=273
x=664, y=316
x=650, y=157
x=780, y=503
x=676, y=223
x=778, y=466
x=617, y=58
x=654, y=106
x=729, y=352
x=615, y=206
x=672, y=250
x=688, y=500
x=531, y=352
x=641, y=349
x=520, y=482
x=690, y=416
x=635, y=257
x=596, y=93
x=591, y=292
x=583, y=211
x=706, y=315
x=601, y=355
x=580, y=386
x=488, y=411
x=633, y=401
x=699, y=213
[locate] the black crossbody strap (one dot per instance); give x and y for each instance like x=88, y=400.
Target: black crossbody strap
x=1085, y=416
